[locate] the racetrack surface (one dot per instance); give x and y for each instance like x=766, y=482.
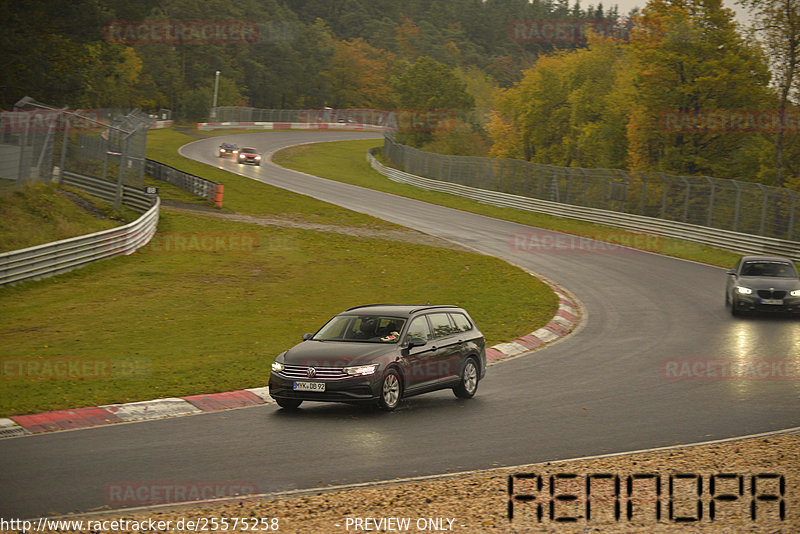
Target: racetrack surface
x=600, y=390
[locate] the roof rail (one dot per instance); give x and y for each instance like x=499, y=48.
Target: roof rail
x=415, y=307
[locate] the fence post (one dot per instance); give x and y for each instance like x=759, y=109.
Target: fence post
x=64, y=146
x=120, y=174
x=644, y=192
x=710, y=203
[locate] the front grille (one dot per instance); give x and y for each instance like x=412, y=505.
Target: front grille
x=300, y=372
x=767, y=294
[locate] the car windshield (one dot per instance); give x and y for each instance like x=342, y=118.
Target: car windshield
x=248, y=150
x=771, y=269
x=362, y=328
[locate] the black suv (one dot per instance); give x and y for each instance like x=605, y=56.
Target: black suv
x=382, y=353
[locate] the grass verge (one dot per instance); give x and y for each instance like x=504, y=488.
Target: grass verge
x=39, y=214
x=209, y=303
x=245, y=195
x=346, y=161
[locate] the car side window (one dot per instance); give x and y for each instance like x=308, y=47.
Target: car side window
x=461, y=322
x=419, y=328
x=442, y=327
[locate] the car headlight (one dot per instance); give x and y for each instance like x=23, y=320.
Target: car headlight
x=277, y=367
x=361, y=370
x=743, y=290
x=258, y=157
x=795, y=293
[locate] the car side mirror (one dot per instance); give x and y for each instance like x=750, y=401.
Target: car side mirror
x=306, y=337
x=416, y=342
x=732, y=272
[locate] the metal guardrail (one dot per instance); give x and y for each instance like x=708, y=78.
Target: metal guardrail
x=327, y=115
x=201, y=187
x=724, y=239
x=49, y=259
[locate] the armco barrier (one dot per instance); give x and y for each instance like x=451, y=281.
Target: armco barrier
x=61, y=256
x=211, y=191
x=724, y=239
x=357, y=126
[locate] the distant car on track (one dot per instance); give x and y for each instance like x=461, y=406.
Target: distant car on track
x=248, y=155
x=763, y=284
x=382, y=354
x=228, y=149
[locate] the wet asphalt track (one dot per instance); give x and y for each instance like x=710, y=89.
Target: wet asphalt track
x=599, y=391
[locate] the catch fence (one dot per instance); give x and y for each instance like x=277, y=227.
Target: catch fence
x=39, y=143
x=737, y=206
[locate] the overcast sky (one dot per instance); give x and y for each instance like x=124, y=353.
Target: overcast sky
x=626, y=5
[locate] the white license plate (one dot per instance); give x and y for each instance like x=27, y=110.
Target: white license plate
x=774, y=302
x=308, y=386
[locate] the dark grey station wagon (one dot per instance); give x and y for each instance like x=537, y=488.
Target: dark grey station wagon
x=382, y=353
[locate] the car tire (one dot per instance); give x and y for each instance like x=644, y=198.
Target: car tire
x=468, y=385
x=391, y=391
x=289, y=404
x=734, y=311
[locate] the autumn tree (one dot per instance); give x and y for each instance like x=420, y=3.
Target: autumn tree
x=777, y=23
x=570, y=109
x=690, y=59
x=357, y=75
x=428, y=88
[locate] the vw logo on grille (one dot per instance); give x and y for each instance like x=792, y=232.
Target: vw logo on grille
x=311, y=372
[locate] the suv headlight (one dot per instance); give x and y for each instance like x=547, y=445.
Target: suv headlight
x=743, y=290
x=277, y=367
x=361, y=370
x=795, y=293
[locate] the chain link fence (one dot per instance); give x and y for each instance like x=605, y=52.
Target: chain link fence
x=39, y=142
x=743, y=207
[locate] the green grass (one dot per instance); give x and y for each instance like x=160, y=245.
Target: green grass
x=249, y=196
x=346, y=161
x=176, y=318
x=39, y=214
